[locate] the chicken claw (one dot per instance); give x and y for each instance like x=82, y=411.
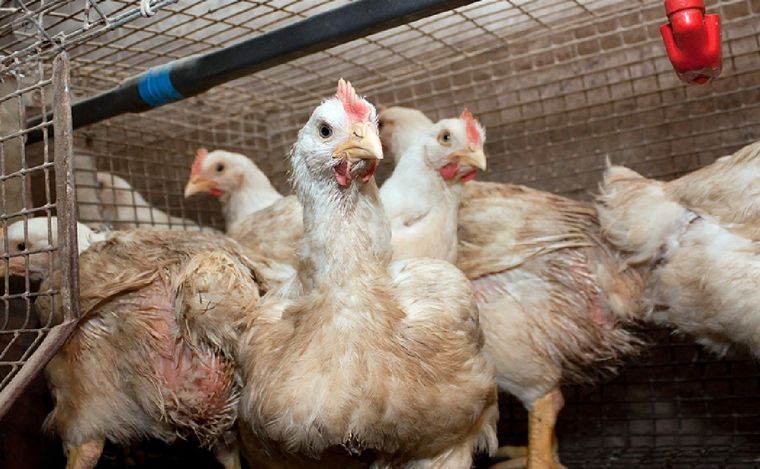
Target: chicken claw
x=84, y=456
x=542, y=442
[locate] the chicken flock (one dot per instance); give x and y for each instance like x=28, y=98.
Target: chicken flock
x=353, y=326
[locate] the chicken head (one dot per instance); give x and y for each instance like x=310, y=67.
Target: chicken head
x=36, y=239
x=454, y=148
x=217, y=173
x=340, y=141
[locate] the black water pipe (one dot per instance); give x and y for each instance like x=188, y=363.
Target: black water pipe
x=193, y=75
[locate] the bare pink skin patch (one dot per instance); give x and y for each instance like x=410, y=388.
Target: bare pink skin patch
x=356, y=108
x=471, y=127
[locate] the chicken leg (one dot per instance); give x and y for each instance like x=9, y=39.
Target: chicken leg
x=84, y=456
x=542, y=441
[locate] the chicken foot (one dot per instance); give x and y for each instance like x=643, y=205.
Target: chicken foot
x=84, y=456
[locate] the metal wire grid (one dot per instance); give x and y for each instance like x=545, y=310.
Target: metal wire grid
x=675, y=406
x=153, y=155
x=37, y=29
x=27, y=190
x=190, y=27
x=559, y=84
x=556, y=104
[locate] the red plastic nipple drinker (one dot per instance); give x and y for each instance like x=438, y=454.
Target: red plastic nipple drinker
x=692, y=40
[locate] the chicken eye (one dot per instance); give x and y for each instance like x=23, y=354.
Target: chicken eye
x=325, y=131
x=380, y=126
x=21, y=247
x=445, y=137
x=220, y=167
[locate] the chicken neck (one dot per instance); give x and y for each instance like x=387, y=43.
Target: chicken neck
x=346, y=235
x=255, y=193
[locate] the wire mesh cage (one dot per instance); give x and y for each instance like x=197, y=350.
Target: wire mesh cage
x=33, y=250
x=37, y=180
x=561, y=85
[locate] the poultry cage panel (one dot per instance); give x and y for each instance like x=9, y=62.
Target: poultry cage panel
x=560, y=85
x=33, y=251
x=37, y=179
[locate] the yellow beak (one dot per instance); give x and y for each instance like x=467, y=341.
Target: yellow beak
x=363, y=143
x=473, y=156
x=197, y=185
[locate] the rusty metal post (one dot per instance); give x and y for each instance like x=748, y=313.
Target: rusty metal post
x=67, y=250
x=66, y=203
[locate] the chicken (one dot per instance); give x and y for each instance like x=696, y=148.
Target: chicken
x=125, y=208
x=422, y=196
x=276, y=230
x=728, y=189
x=365, y=354
x=239, y=184
x=698, y=244
x=400, y=128
x=33, y=255
x=257, y=216
x=554, y=299
x=152, y=355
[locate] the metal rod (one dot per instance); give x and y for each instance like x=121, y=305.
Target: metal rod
x=190, y=76
x=66, y=203
x=54, y=339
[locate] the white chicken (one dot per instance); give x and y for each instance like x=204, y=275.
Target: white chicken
x=401, y=128
x=124, y=208
x=240, y=185
x=257, y=216
x=728, y=189
x=366, y=354
x=422, y=196
x=553, y=298
x=31, y=245
x=152, y=355
x=697, y=240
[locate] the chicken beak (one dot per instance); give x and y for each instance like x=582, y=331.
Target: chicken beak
x=197, y=185
x=473, y=156
x=363, y=143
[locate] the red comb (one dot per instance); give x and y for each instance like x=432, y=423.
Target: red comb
x=200, y=154
x=473, y=134
x=357, y=109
